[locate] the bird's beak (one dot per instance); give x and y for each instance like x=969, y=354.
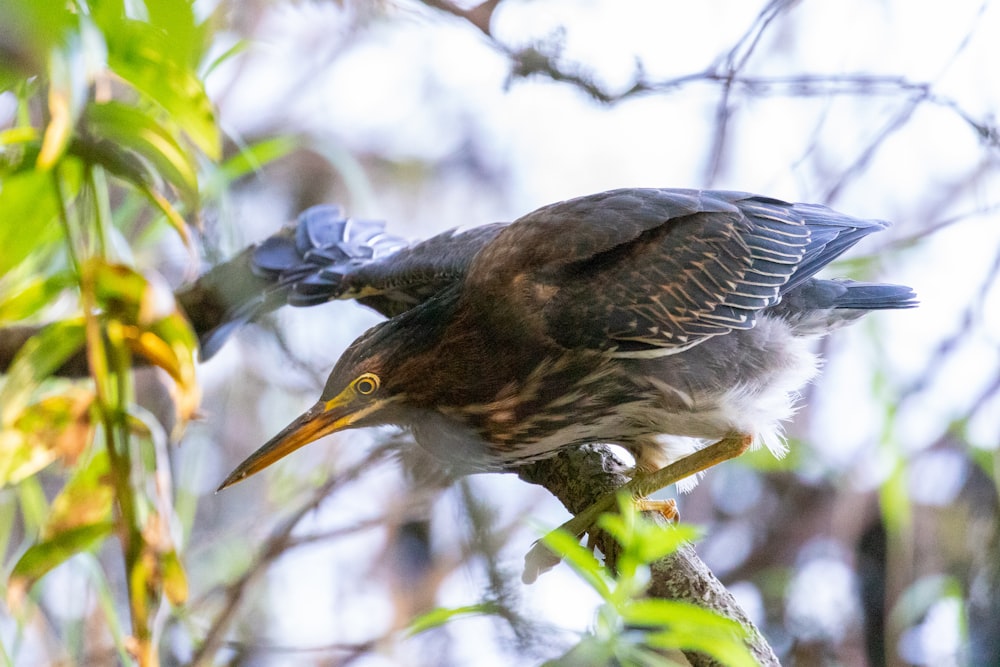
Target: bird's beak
x=324, y=418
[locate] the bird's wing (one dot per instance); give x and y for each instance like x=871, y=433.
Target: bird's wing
x=328, y=256
x=654, y=271
x=325, y=256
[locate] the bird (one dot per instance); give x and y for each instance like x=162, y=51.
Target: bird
x=676, y=323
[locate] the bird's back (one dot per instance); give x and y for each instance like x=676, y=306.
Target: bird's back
x=651, y=272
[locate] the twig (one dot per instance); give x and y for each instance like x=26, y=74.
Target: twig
x=277, y=543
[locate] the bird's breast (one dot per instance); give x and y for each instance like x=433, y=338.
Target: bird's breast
x=744, y=382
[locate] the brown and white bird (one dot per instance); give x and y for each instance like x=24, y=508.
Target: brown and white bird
x=665, y=321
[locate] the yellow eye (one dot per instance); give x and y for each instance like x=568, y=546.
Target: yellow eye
x=366, y=384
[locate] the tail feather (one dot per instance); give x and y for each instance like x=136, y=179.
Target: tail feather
x=873, y=296
x=820, y=306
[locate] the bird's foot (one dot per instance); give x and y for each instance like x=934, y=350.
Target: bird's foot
x=665, y=508
x=540, y=558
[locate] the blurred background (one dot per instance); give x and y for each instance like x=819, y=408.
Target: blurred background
x=875, y=541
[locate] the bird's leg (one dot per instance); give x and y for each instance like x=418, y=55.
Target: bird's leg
x=640, y=486
x=666, y=508
x=703, y=459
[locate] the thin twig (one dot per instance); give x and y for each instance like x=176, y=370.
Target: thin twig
x=277, y=544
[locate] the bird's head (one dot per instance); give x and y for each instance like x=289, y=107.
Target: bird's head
x=369, y=381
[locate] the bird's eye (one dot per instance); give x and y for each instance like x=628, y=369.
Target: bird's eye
x=366, y=384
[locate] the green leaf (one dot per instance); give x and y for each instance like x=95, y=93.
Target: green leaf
x=177, y=20
x=30, y=205
x=252, y=158
x=175, y=583
x=47, y=554
x=132, y=129
x=35, y=361
x=142, y=55
x=123, y=293
x=70, y=73
x=687, y=627
x=441, y=615
x=580, y=559
x=237, y=48
x=141, y=310
x=34, y=296
x=33, y=504
x=644, y=540
x=172, y=345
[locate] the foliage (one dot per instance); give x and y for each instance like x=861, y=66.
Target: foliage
x=630, y=627
x=105, y=113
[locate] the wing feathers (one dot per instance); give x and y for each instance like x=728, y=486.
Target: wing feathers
x=646, y=272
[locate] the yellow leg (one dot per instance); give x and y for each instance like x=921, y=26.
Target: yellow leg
x=666, y=508
x=539, y=559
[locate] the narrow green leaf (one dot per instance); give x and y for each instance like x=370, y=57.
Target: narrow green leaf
x=441, y=615
x=254, y=157
x=580, y=559
x=69, y=81
x=121, y=292
x=177, y=356
x=34, y=296
x=34, y=505
x=174, y=219
x=175, y=583
x=18, y=135
x=147, y=318
x=141, y=54
x=647, y=541
x=132, y=129
x=687, y=627
x=47, y=554
x=29, y=206
x=237, y=48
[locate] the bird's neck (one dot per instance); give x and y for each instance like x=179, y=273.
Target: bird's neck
x=468, y=355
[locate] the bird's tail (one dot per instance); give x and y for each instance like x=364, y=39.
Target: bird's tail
x=871, y=296
x=819, y=306
x=302, y=265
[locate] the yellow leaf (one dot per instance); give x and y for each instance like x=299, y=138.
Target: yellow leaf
x=175, y=584
x=85, y=500
x=57, y=427
x=58, y=131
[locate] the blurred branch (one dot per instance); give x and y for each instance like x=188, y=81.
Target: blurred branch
x=208, y=302
x=479, y=16
x=279, y=541
x=545, y=58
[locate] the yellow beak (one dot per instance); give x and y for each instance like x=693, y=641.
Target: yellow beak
x=324, y=418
